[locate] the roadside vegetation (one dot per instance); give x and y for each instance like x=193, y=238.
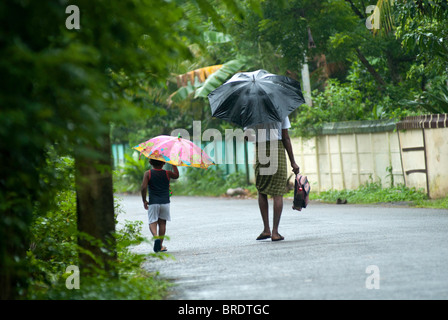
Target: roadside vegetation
x=54, y=247
x=373, y=192
x=140, y=68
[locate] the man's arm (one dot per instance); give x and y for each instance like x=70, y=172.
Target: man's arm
x=174, y=174
x=144, y=188
x=286, y=140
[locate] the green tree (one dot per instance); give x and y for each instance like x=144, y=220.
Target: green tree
x=421, y=26
x=60, y=89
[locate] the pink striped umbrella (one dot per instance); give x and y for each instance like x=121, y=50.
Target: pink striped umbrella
x=175, y=150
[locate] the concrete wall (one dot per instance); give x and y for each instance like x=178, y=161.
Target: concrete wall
x=347, y=155
x=437, y=160
x=424, y=145
x=346, y=161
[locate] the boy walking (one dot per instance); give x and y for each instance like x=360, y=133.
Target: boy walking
x=157, y=182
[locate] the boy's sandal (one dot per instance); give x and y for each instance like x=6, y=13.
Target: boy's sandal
x=157, y=245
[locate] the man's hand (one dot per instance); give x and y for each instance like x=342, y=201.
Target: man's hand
x=145, y=204
x=295, y=168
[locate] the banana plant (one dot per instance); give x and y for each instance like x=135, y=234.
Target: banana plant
x=434, y=100
x=201, y=82
x=198, y=83
x=220, y=76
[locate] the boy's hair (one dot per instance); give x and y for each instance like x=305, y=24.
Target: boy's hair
x=156, y=163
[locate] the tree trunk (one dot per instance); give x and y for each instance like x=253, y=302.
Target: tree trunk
x=356, y=10
x=19, y=181
x=95, y=206
x=370, y=68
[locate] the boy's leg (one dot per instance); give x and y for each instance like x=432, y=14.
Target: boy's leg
x=158, y=242
x=153, y=216
x=164, y=216
x=153, y=228
x=162, y=229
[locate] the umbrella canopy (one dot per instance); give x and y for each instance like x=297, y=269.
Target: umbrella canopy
x=251, y=98
x=175, y=150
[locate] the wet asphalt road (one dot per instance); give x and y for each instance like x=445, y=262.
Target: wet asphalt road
x=327, y=253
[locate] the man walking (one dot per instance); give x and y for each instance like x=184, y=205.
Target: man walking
x=272, y=139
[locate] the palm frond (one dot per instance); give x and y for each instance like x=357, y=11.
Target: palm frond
x=383, y=10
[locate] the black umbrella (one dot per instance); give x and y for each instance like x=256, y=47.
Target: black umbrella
x=250, y=98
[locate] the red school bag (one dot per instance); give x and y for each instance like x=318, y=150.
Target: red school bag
x=301, y=192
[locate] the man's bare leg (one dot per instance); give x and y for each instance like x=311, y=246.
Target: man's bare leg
x=278, y=208
x=264, y=210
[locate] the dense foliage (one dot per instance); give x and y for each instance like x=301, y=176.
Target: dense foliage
x=54, y=247
x=65, y=93
x=62, y=88
x=397, y=70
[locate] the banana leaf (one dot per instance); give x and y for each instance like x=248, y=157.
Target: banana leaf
x=219, y=77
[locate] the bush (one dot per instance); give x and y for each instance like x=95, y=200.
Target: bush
x=129, y=177
x=436, y=204
x=54, y=247
x=338, y=102
x=210, y=182
x=372, y=192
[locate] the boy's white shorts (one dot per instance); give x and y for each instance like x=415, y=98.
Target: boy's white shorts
x=158, y=211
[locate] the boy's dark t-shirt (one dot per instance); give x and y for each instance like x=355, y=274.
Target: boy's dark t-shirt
x=159, y=187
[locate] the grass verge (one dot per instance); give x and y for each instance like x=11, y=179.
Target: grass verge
x=373, y=192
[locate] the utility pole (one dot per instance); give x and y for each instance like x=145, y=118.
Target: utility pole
x=306, y=72
x=306, y=82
